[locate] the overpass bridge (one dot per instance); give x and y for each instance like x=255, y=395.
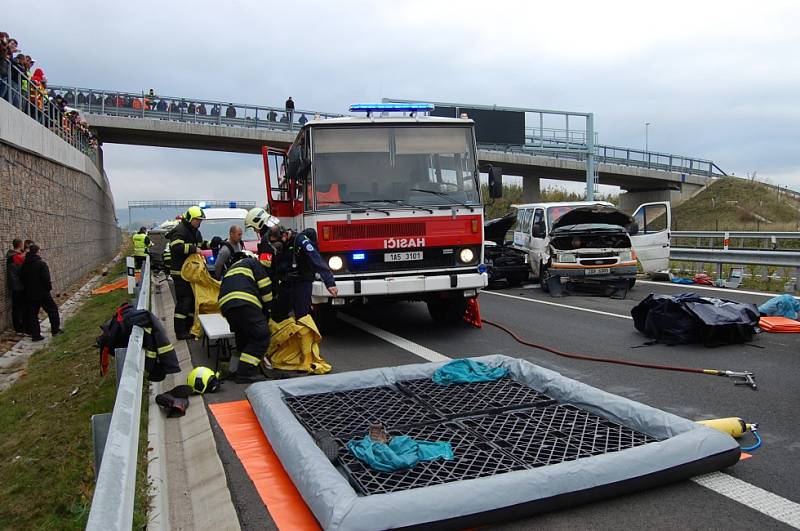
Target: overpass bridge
x=557, y=145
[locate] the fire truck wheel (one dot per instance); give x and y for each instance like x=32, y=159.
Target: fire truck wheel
x=447, y=311
x=325, y=317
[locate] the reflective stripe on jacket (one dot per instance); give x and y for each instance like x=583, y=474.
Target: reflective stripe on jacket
x=246, y=282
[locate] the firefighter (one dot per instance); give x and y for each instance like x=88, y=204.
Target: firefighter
x=184, y=240
x=245, y=299
x=295, y=263
x=141, y=242
x=260, y=220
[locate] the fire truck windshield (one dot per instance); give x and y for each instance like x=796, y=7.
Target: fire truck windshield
x=406, y=166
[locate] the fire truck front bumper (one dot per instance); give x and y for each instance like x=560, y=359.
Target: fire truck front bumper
x=401, y=285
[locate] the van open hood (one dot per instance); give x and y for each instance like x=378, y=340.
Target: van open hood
x=594, y=215
x=495, y=229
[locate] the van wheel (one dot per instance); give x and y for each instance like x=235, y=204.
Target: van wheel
x=543, y=278
x=631, y=283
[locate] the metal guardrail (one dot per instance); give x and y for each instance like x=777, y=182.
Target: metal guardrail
x=182, y=109
x=737, y=256
x=753, y=235
x=112, y=503
x=21, y=92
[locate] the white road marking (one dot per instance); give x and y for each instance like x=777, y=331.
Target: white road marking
x=749, y=495
x=414, y=348
x=709, y=288
x=763, y=501
x=549, y=303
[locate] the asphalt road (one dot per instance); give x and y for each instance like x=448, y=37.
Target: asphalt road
x=596, y=326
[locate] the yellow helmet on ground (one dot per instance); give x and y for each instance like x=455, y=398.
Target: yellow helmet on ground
x=203, y=379
x=194, y=212
x=258, y=218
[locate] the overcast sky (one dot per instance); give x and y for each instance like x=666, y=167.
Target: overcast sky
x=716, y=79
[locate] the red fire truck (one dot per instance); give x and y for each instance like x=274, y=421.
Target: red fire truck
x=395, y=200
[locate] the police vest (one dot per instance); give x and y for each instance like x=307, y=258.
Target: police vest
x=139, y=245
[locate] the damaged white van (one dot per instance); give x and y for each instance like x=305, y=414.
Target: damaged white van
x=592, y=242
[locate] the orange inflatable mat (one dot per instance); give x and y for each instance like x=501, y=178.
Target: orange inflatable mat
x=283, y=501
x=779, y=325
x=112, y=286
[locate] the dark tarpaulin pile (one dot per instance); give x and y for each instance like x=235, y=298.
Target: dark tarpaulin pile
x=689, y=318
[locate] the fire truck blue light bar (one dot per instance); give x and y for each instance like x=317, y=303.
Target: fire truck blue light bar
x=391, y=107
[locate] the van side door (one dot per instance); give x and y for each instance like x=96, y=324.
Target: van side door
x=651, y=243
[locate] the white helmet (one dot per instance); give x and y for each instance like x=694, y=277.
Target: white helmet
x=258, y=218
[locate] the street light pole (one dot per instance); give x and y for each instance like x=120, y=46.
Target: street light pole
x=646, y=136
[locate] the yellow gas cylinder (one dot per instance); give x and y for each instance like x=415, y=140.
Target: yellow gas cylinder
x=733, y=426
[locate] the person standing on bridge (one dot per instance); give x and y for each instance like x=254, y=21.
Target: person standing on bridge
x=141, y=243
x=185, y=239
x=290, y=109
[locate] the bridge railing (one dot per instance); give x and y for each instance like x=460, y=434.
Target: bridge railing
x=112, y=503
x=21, y=92
x=565, y=144
x=181, y=109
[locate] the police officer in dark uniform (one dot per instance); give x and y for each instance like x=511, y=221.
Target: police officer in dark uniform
x=185, y=240
x=296, y=262
x=245, y=298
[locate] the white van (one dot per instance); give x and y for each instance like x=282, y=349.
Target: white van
x=593, y=241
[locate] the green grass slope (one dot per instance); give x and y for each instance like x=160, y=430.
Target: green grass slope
x=738, y=204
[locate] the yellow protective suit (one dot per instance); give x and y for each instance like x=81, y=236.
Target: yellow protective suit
x=205, y=288
x=294, y=346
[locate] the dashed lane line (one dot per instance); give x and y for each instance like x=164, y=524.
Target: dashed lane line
x=756, y=498
x=549, y=303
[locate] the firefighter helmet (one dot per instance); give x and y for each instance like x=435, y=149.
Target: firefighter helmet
x=194, y=212
x=203, y=380
x=258, y=218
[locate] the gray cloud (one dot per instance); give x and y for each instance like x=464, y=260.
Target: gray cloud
x=717, y=80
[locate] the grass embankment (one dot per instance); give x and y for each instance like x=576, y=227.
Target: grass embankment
x=45, y=432
x=737, y=204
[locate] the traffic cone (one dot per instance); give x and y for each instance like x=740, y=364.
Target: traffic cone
x=473, y=313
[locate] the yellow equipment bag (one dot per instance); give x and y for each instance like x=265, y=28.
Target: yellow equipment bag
x=205, y=288
x=294, y=346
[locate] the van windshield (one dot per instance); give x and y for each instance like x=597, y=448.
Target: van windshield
x=400, y=165
x=553, y=213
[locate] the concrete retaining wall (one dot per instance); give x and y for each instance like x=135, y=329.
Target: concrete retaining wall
x=53, y=194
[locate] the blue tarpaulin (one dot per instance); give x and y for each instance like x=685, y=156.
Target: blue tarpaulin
x=467, y=371
x=781, y=306
x=400, y=453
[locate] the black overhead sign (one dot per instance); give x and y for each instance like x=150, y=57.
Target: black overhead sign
x=491, y=127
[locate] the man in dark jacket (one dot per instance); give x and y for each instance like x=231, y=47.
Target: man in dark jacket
x=296, y=264
x=185, y=240
x=36, y=280
x=14, y=259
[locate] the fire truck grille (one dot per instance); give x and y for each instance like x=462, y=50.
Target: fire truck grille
x=377, y=230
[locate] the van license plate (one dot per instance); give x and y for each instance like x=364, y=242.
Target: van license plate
x=405, y=256
x=598, y=271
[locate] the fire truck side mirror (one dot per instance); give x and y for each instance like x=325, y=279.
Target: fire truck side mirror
x=495, y=182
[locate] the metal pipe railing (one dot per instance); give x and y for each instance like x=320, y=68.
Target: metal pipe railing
x=114, y=493
x=182, y=109
x=19, y=90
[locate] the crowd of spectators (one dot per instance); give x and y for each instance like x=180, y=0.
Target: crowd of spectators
x=25, y=86
x=150, y=101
